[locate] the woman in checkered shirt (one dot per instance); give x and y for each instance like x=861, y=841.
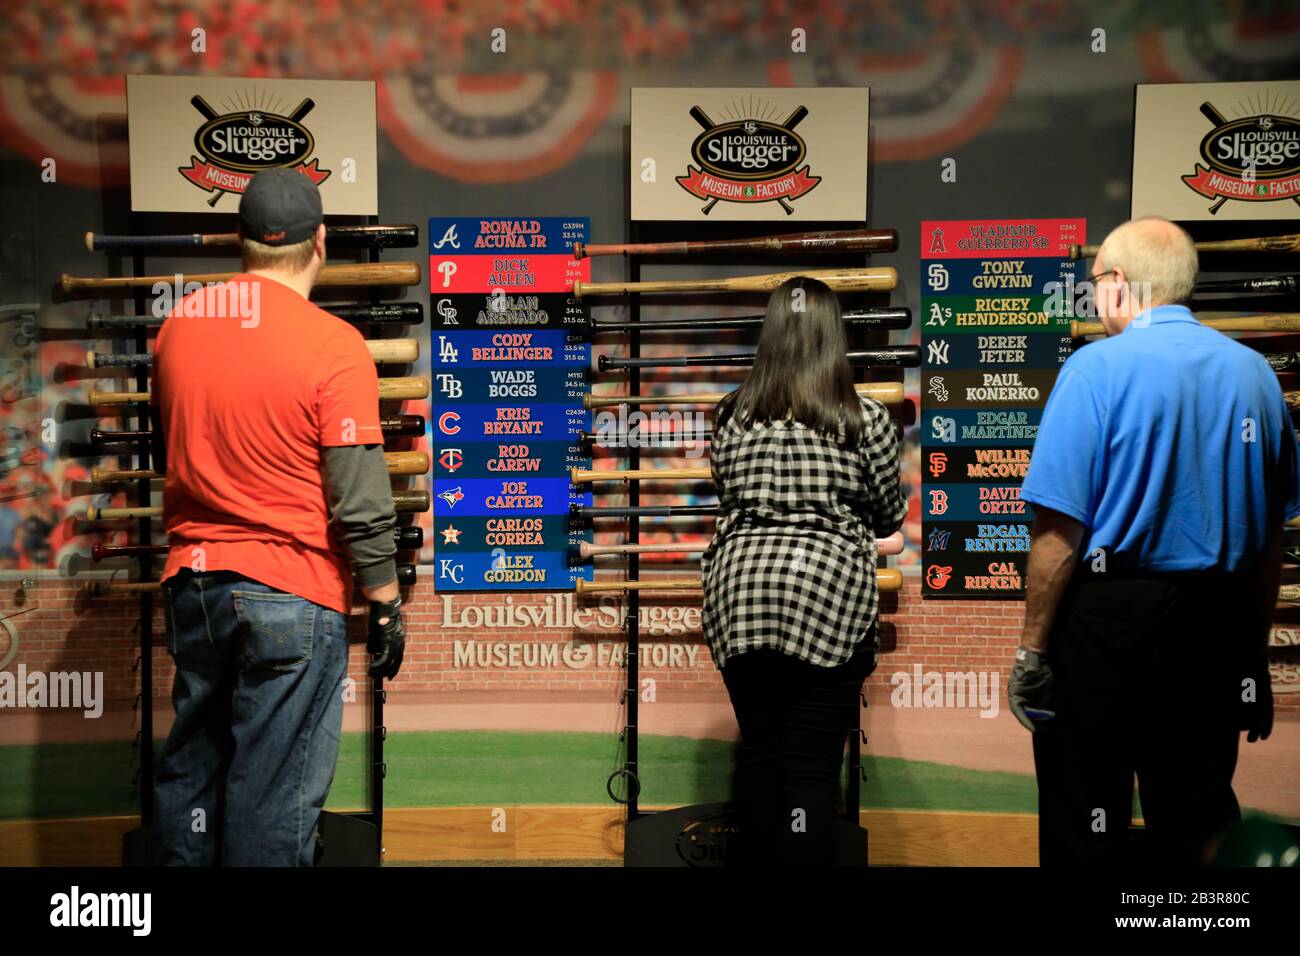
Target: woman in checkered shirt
x=807, y=479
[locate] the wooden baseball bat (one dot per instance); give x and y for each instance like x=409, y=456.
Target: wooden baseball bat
x=887, y=579
x=841, y=240
x=390, y=389
x=1289, y=592
x=404, y=502
x=1287, y=322
x=887, y=393
x=580, y=475
x=406, y=576
x=839, y=280
x=394, y=313
x=398, y=462
x=358, y=274
x=892, y=317
x=586, y=550
x=406, y=538
x=886, y=356
x=392, y=426
x=1288, y=243
x=372, y=237
x=382, y=351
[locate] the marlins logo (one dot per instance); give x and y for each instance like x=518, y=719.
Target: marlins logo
x=452, y=496
x=236, y=145
x=748, y=160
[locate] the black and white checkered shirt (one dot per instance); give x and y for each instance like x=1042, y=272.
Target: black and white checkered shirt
x=792, y=563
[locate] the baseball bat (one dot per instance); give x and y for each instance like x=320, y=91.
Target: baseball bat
x=888, y=393
x=390, y=389
x=584, y=514
x=885, y=318
x=1288, y=243
x=1289, y=592
x=406, y=576
x=391, y=425
x=1287, y=322
x=580, y=475
x=406, y=538
x=668, y=438
x=404, y=502
x=396, y=313
x=842, y=240
x=1282, y=285
x=371, y=237
x=887, y=579
x=892, y=356
x=839, y=280
x=358, y=274
x=1282, y=361
x=586, y=550
x=382, y=351
x=398, y=463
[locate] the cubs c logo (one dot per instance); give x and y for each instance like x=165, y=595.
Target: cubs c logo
x=937, y=576
x=447, y=423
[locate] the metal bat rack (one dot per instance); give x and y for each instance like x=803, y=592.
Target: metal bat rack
x=697, y=835
x=346, y=839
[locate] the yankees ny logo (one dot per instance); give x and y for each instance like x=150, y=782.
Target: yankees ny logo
x=448, y=238
x=937, y=352
x=944, y=429
x=938, y=501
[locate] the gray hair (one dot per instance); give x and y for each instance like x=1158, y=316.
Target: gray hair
x=1155, y=254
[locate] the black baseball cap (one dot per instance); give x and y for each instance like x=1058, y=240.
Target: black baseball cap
x=280, y=207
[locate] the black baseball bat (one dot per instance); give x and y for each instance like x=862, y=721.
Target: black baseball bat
x=1285, y=285
x=891, y=356
x=397, y=313
x=880, y=318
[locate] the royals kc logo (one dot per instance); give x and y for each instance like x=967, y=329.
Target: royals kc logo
x=234, y=146
x=748, y=160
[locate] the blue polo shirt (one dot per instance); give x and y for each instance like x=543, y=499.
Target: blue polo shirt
x=1147, y=440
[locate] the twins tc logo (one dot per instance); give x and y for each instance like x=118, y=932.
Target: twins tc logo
x=937, y=576
x=451, y=458
x=1255, y=158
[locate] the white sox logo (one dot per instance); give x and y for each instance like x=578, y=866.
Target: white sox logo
x=234, y=146
x=1255, y=158
x=938, y=389
x=748, y=160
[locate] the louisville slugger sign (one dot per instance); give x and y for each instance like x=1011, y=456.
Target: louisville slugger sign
x=1217, y=150
x=194, y=141
x=750, y=154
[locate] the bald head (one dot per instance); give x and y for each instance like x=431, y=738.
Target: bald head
x=1154, y=255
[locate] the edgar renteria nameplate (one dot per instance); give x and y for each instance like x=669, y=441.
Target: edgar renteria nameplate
x=196, y=141
x=781, y=154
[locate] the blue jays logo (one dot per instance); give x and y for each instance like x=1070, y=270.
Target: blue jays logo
x=452, y=496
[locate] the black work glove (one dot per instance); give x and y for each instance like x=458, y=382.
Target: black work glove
x=1259, y=713
x=1029, y=689
x=387, y=638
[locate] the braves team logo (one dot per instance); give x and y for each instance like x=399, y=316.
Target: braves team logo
x=937, y=576
x=1254, y=158
x=236, y=145
x=451, y=458
x=748, y=160
x=452, y=496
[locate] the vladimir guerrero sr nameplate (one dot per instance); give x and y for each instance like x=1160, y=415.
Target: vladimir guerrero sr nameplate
x=196, y=141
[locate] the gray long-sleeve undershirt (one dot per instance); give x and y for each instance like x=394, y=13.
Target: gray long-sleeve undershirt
x=360, y=499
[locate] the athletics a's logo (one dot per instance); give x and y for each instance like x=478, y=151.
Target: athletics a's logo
x=1253, y=158
x=235, y=145
x=748, y=159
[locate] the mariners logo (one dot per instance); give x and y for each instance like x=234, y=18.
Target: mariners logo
x=235, y=145
x=748, y=159
x=1254, y=158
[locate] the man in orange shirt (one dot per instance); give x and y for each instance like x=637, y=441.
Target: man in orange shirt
x=276, y=496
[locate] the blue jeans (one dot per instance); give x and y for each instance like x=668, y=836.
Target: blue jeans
x=259, y=707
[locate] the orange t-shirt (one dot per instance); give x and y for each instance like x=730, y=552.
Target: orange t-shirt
x=247, y=404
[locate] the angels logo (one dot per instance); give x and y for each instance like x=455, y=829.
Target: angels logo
x=235, y=146
x=937, y=576
x=748, y=160
x=1254, y=158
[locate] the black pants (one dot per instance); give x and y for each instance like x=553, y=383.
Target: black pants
x=794, y=718
x=1148, y=677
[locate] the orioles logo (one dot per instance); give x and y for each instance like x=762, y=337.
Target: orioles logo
x=937, y=576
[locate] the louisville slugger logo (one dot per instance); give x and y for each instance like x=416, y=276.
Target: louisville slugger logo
x=235, y=146
x=748, y=160
x=1252, y=158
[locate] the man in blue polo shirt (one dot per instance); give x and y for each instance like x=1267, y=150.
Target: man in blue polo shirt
x=1164, y=468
